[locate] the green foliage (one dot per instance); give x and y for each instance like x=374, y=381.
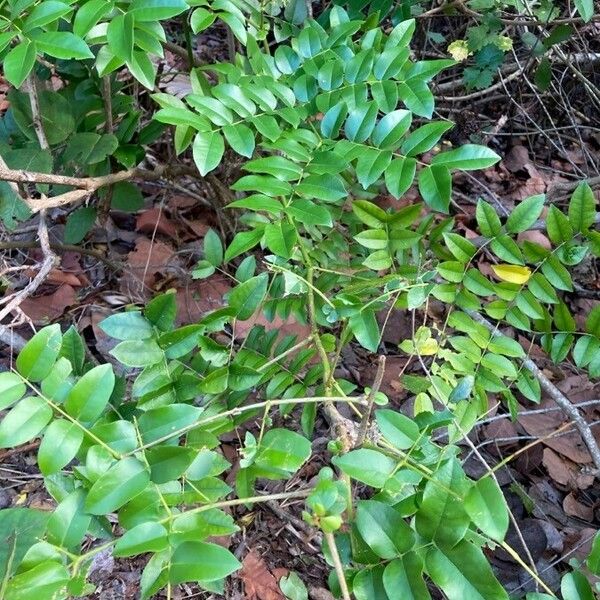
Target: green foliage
x=339, y=112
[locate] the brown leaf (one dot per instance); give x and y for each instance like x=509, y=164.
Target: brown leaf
x=568, y=444
x=154, y=219
x=576, y=509
x=49, y=307
x=148, y=261
x=200, y=297
x=259, y=582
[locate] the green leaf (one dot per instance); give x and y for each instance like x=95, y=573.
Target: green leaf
x=62, y=44
x=525, y=214
x=370, y=214
x=582, y=208
x=156, y=10
x=292, y=586
x=126, y=197
x=119, y=36
x=391, y=128
x=68, y=523
x=370, y=166
x=557, y=274
x=79, y=223
x=367, y=584
x=117, y=486
x=461, y=248
x=328, y=188
x=45, y=580
x=487, y=219
x=375, y=239
x=365, y=329
x=368, y=466
x=145, y=537
x=245, y=298
x=168, y=463
x=399, y=176
x=390, y=62
x=417, y=97
x=383, y=529
x=309, y=213
x=138, y=353
x=129, y=325
x=38, y=356
x=333, y=120
x=89, y=14
x=12, y=388
x=242, y=242
x=403, y=578
x=240, y=138
x=441, y=516
x=20, y=528
x=208, y=149
x=202, y=19
x=467, y=158
x=398, y=429
x=575, y=586
x=282, y=450
x=424, y=138
x=500, y=365
x=486, y=506
x=593, y=559
x=59, y=446
x=158, y=423
x=143, y=69
x=24, y=421
x=360, y=122
x=281, y=238
x=89, y=396
x=201, y=561
x=435, y=186
x=585, y=8
x=213, y=248
x=463, y=573
x=18, y=62
x=558, y=226
x=44, y=13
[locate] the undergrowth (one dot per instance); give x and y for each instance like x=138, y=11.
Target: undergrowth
x=130, y=454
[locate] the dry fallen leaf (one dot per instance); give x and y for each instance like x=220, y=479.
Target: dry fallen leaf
x=259, y=582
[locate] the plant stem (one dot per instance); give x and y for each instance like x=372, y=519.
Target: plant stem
x=337, y=563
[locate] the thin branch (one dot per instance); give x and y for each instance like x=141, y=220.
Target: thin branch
x=364, y=424
x=337, y=563
x=36, y=113
x=85, y=185
x=561, y=400
x=49, y=262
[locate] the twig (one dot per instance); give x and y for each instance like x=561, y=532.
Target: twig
x=182, y=53
x=49, y=262
x=35, y=113
x=364, y=424
x=565, y=404
x=337, y=563
x=11, y=338
x=60, y=248
x=86, y=185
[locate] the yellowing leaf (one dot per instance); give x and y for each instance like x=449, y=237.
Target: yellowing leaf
x=512, y=273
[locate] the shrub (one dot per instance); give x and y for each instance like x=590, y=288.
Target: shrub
x=319, y=132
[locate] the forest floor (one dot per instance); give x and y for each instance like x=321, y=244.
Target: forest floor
x=548, y=141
